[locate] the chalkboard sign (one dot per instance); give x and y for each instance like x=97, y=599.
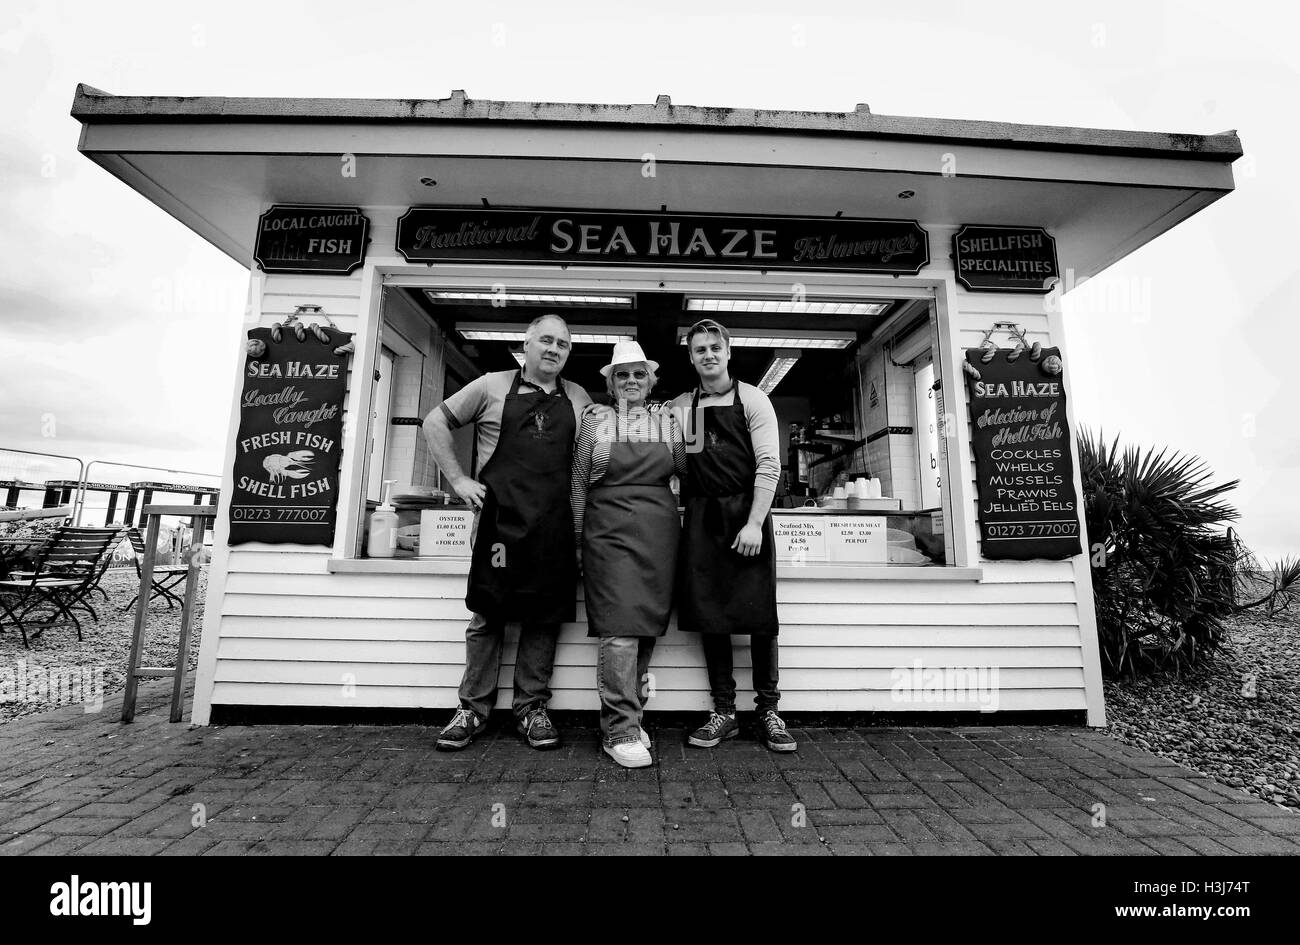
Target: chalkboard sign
x=1023, y=465
x=290, y=437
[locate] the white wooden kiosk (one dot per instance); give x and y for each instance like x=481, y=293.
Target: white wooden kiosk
x=315, y=626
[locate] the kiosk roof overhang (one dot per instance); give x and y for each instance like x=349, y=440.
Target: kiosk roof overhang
x=215, y=163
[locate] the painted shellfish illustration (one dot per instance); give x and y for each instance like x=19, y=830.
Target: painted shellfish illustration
x=289, y=465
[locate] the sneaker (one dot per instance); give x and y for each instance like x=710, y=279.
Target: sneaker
x=630, y=754
x=714, y=731
x=537, y=728
x=645, y=738
x=463, y=728
x=775, y=737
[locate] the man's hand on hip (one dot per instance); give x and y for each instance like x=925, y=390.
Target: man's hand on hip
x=470, y=491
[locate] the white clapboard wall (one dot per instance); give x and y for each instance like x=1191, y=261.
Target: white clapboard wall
x=282, y=630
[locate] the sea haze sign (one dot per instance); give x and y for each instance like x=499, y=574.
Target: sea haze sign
x=323, y=240
x=1023, y=468
x=287, y=450
x=427, y=234
x=1005, y=258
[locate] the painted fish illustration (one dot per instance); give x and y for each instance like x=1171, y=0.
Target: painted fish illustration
x=289, y=465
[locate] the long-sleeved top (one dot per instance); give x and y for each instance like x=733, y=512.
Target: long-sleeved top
x=600, y=428
x=760, y=417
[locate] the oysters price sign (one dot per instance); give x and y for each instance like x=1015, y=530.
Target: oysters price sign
x=1024, y=471
x=290, y=430
x=429, y=234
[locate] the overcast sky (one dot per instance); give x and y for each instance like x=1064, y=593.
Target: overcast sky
x=116, y=322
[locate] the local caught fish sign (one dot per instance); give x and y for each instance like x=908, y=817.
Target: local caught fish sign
x=1024, y=469
x=427, y=234
x=290, y=430
x=321, y=240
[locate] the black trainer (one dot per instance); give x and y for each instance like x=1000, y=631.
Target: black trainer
x=463, y=728
x=774, y=735
x=714, y=731
x=537, y=728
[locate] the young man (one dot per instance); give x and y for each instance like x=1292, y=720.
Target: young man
x=727, y=577
x=523, y=564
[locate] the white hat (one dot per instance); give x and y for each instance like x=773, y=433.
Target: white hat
x=627, y=352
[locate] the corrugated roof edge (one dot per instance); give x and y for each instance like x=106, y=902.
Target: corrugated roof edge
x=92, y=105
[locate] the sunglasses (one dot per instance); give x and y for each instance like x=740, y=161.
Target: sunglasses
x=624, y=375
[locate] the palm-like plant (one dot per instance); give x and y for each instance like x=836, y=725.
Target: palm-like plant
x=1163, y=567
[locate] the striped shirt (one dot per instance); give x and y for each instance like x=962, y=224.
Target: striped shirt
x=599, y=429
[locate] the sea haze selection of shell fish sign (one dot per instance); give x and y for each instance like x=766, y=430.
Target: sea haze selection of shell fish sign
x=1021, y=442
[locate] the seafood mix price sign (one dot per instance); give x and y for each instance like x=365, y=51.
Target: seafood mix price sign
x=290, y=432
x=831, y=539
x=1022, y=443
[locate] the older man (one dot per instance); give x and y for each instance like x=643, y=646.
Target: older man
x=523, y=564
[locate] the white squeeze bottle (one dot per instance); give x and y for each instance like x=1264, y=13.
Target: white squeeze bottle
x=382, y=540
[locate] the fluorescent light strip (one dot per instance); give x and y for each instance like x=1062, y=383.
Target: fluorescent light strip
x=785, y=306
x=528, y=298
x=579, y=335
x=777, y=370
x=751, y=338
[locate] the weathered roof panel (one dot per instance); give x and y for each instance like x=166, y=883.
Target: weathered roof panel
x=91, y=105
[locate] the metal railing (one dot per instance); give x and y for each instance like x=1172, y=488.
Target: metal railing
x=50, y=474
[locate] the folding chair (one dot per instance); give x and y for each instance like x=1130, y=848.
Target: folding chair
x=165, y=576
x=65, y=573
x=105, y=561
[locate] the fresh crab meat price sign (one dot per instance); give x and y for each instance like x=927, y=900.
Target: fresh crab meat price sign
x=290, y=427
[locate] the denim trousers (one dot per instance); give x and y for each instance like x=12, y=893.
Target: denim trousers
x=533, y=665
x=722, y=681
x=622, y=664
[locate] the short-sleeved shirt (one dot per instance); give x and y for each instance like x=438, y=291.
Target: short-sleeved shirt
x=482, y=400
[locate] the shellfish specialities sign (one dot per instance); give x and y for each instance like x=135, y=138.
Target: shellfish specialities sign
x=1024, y=467
x=1005, y=258
x=286, y=474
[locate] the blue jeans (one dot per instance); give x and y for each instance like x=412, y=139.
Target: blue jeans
x=621, y=667
x=533, y=665
x=722, y=682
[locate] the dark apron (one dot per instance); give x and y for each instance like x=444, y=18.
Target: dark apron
x=522, y=566
x=720, y=590
x=630, y=538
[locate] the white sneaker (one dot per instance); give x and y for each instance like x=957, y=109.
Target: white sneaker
x=630, y=754
x=645, y=739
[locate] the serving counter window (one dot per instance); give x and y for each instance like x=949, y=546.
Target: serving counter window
x=867, y=463
x=853, y=383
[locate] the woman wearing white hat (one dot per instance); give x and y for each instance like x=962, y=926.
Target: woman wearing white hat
x=625, y=517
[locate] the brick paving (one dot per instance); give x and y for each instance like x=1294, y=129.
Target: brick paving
x=79, y=783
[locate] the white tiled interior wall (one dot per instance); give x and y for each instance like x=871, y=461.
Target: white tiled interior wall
x=406, y=403
x=900, y=388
